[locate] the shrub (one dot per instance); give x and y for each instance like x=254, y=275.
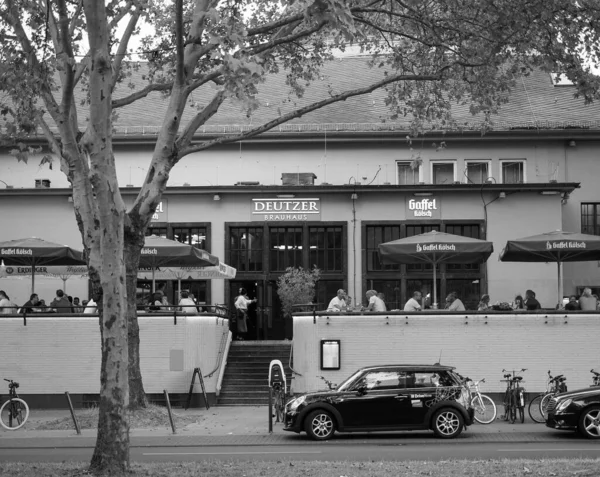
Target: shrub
x=297, y=287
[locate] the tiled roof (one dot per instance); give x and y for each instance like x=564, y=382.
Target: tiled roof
x=535, y=103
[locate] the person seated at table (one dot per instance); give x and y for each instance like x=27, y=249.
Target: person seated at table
x=91, y=307
x=530, y=301
x=61, y=303
x=375, y=303
x=519, y=304
x=338, y=302
x=31, y=306
x=156, y=303
x=42, y=307
x=186, y=304
x=587, y=301
x=413, y=303
x=453, y=303
x=573, y=304
x=484, y=303
x=6, y=306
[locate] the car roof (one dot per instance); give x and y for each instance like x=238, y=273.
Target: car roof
x=416, y=367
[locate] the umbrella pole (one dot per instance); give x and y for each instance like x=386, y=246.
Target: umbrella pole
x=153, y=282
x=434, y=305
x=560, y=292
x=33, y=277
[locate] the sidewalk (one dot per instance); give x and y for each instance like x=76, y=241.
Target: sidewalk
x=248, y=425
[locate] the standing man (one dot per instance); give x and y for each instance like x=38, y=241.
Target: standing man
x=413, y=304
x=338, y=302
x=587, y=301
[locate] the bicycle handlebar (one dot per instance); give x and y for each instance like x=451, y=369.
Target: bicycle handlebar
x=594, y=372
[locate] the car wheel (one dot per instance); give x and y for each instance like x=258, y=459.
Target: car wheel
x=447, y=423
x=319, y=425
x=589, y=422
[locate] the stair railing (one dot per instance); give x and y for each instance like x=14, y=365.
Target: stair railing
x=224, y=345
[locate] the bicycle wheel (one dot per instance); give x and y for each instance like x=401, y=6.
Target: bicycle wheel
x=485, y=409
x=521, y=413
x=13, y=414
x=506, y=404
x=281, y=407
x=535, y=409
x=544, y=405
x=512, y=409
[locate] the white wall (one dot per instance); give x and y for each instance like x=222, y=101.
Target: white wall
x=478, y=345
x=53, y=355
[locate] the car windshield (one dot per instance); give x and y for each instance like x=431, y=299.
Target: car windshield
x=347, y=384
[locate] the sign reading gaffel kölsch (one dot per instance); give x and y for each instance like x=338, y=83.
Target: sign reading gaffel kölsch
x=423, y=208
x=280, y=210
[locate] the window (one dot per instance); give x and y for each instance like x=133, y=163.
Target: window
x=195, y=236
x=406, y=174
x=375, y=380
x=464, y=230
x=590, y=218
x=158, y=231
x=285, y=247
x=443, y=172
x=246, y=246
x=512, y=172
x=477, y=172
x=326, y=248
x=378, y=234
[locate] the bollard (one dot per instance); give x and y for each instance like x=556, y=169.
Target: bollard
x=169, y=410
x=73, y=413
x=270, y=410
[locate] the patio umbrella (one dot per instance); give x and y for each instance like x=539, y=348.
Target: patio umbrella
x=159, y=251
x=557, y=246
x=34, y=252
x=435, y=247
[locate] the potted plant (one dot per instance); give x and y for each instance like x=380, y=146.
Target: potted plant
x=296, y=287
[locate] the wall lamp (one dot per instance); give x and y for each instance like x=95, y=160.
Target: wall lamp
x=216, y=197
x=550, y=192
x=423, y=194
x=7, y=186
x=502, y=195
x=572, y=143
x=354, y=196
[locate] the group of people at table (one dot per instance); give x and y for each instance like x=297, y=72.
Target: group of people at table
x=61, y=304
x=342, y=302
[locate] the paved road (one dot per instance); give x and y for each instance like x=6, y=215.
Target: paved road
x=323, y=452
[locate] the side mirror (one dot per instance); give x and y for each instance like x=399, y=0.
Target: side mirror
x=361, y=390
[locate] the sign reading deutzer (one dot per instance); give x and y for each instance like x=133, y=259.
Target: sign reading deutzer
x=425, y=208
x=284, y=210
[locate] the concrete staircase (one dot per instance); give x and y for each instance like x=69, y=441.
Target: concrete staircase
x=245, y=381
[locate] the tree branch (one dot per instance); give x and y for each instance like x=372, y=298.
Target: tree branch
x=122, y=50
x=119, y=103
x=207, y=112
x=306, y=109
x=179, y=73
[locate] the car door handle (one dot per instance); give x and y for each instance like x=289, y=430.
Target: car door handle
x=401, y=397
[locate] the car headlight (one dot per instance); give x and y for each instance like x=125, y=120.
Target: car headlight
x=293, y=405
x=563, y=405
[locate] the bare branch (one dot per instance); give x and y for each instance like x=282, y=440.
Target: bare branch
x=179, y=74
x=119, y=103
x=307, y=109
x=124, y=43
x=207, y=112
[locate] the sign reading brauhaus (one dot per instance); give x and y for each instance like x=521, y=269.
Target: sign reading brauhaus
x=283, y=210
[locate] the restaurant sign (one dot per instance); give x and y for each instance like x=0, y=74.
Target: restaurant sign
x=565, y=244
x=426, y=208
x=283, y=210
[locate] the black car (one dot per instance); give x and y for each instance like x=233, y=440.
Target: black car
x=385, y=398
x=577, y=411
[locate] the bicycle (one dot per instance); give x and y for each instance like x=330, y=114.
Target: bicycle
x=538, y=407
x=278, y=401
x=484, y=406
x=514, y=397
x=15, y=411
x=595, y=378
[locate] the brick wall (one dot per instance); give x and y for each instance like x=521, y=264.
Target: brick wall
x=479, y=346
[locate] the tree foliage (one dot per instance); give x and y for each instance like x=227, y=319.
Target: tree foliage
x=66, y=70
x=297, y=287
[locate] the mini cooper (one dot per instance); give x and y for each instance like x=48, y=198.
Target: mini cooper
x=385, y=398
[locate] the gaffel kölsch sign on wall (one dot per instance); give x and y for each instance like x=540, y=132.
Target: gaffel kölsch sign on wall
x=423, y=208
x=284, y=210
